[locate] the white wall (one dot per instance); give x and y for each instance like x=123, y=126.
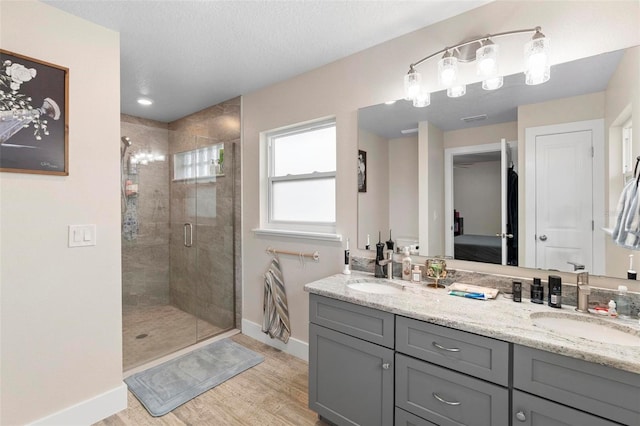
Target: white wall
x=577, y=29
x=476, y=195
x=373, y=204
x=403, y=187
x=60, y=307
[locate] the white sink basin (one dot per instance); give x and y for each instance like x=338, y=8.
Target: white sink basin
x=372, y=287
x=591, y=328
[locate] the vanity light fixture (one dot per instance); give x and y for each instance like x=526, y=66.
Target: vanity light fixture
x=485, y=52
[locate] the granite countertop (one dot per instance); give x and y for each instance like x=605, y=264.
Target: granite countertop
x=500, y=318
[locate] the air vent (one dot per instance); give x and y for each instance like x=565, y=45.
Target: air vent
x=474, y=118
x=409, y=131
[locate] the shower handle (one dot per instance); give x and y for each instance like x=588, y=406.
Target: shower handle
x=188, y=236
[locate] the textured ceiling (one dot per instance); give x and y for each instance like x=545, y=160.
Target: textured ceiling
x=188, y=55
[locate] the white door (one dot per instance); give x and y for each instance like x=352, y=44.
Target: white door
x=563, y=200
x=504, y=169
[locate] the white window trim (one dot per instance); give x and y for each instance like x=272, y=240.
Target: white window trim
x=304, y=230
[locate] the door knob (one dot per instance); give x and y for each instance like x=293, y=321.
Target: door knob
x=543, y=238
x=521, y=416
x=386, y=365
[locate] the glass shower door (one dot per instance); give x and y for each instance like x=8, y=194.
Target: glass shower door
x=202, y=247
x=215, y=238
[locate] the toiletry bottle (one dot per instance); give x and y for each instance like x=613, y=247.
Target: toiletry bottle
x=612, y=309
x=406, y=265
x=346, y=270
x=622, y=302
x=555, y=291
x=537, y=291
x=390, y=242
x=416, y=274
x=368, y=246
x=517, y=291
x=631, y=273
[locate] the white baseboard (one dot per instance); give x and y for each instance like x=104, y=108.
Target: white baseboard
x=294, y=347
x=90, y=411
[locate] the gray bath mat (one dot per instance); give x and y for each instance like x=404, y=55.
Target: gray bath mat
x=166, y=386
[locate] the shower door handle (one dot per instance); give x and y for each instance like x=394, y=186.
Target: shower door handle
x=188, y=234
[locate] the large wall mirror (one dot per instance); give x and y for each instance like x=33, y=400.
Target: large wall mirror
x=527, y=176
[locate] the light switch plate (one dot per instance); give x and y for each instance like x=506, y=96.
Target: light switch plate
x=82, y=235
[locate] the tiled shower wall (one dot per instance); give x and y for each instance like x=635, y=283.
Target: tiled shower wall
x=145, y=247
x=216, y=242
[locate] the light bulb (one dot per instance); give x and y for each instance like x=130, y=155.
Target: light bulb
x=457, y=91
x=492, y=83
x=447, y=70
x=487, y=60
x=412, y=84
x=422, y=100
x=536, y=56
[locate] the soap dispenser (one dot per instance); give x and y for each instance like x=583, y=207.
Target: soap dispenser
x=406, y=265
x=416, y=274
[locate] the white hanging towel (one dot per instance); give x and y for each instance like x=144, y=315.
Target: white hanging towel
x=275, y=320
x=626, y=231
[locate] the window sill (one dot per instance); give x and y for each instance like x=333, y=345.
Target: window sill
x=303, y=235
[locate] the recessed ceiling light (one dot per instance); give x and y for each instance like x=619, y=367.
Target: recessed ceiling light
x=390, y=102
x=409, y=131
x=145, y=101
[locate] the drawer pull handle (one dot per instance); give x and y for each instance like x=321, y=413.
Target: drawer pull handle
x=521, y=417
x=444, y=401
x=445, y=349
x=386, y=365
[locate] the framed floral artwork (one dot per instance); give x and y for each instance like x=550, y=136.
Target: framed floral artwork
x=34, y=128
x=362, y=171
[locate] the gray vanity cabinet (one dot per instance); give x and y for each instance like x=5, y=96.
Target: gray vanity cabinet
x=530, y=410
x=350, y=379
x=597, y=389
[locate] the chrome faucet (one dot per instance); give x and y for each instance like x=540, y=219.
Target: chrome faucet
x=582, y=292
x=576, y=266
x=384, y=267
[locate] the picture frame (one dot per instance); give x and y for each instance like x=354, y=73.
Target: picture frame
x=34, y=114
x=362, y=171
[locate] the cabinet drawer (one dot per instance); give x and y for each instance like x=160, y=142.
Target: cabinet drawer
x=362, y=322
x=448, y=398
x=604, y=391
x=404, y=418
x=469, y=353
x=529, y=410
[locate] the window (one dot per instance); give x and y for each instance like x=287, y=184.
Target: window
x=301, y=177
x=627, y=148
x=202, y=164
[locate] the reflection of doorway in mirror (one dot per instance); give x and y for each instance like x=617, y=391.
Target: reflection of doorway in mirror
x=477, y=193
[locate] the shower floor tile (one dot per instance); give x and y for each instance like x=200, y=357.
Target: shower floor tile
x=150, y=332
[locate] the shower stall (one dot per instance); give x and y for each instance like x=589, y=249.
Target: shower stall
x=179, y=238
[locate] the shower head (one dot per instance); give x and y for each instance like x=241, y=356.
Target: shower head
x=127, y=143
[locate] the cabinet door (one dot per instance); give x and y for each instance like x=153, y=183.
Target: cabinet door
x=350, y=380
x=529, y=410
